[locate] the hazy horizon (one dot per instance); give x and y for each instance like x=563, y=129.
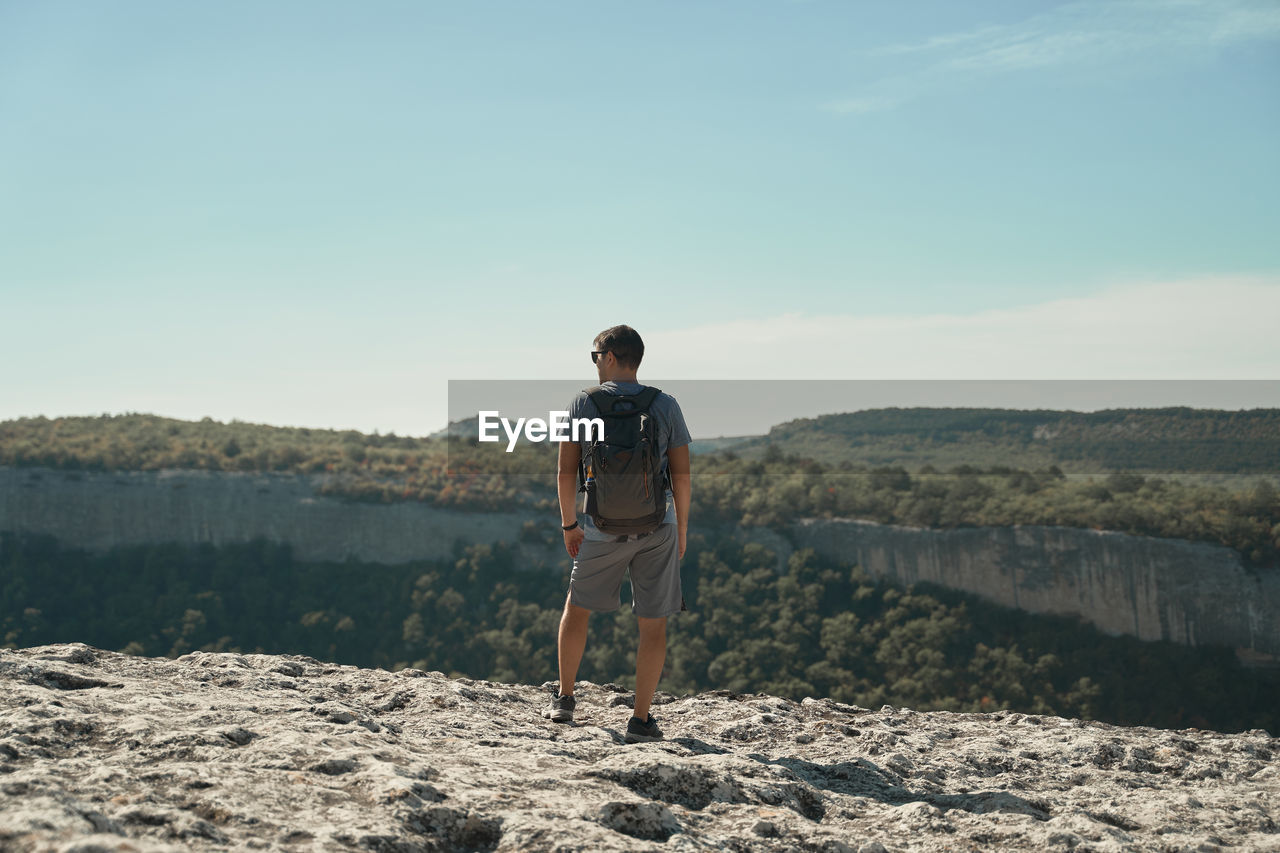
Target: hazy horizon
x=722, y=409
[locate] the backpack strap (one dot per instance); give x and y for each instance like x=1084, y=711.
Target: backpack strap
x=646, y=397
x=605, y=400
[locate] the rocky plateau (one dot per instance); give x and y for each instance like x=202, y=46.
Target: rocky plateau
x=101, y=751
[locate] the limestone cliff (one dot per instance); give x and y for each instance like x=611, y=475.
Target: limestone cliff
x=1186, y=592
x=1154, y=589
x=98, y=510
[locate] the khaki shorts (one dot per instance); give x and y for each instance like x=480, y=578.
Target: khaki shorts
x=654, y=561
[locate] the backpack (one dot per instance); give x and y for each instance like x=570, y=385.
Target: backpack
x=622, y=474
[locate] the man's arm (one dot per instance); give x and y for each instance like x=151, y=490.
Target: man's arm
x=681, y=489
x=567, y=492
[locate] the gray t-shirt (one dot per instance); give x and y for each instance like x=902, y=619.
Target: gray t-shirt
x=672, y=433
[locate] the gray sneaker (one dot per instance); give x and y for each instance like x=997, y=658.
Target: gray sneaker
x=560, y=710
x=643, y=732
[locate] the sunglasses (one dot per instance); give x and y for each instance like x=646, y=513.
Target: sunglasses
x=595, y=355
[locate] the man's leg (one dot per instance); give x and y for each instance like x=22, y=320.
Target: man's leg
x=655, y=587
x=573, y=640
x=650, y=657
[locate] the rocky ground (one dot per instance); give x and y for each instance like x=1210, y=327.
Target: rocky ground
x=101, y=751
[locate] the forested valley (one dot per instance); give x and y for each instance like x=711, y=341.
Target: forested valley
x=815, y=628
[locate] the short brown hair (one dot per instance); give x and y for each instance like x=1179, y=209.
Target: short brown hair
x=625, y=344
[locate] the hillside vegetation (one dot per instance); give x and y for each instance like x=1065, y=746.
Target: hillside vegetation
x=773, y=486
x=350, y=464
x=780, y=488
x=1176, y=440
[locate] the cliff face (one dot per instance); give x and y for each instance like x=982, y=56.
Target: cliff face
x=100, y=510
x=1155, y=589
x=216, y=751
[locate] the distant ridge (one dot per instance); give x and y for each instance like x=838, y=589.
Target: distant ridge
x=1175, y=439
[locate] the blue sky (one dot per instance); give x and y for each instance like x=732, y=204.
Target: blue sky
x=318, y=213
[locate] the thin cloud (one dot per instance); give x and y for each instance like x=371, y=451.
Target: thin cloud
x=1209, y=328
x=860, y=105
x=947, y=41
x=1083, y=34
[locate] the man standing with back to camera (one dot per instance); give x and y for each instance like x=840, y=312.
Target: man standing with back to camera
x=600, y=559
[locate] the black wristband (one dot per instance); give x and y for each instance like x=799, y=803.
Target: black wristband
x=570, y=527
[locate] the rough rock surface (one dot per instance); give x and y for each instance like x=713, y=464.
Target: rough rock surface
x=102, y=751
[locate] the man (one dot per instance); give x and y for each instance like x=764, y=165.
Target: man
x=600, y=560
